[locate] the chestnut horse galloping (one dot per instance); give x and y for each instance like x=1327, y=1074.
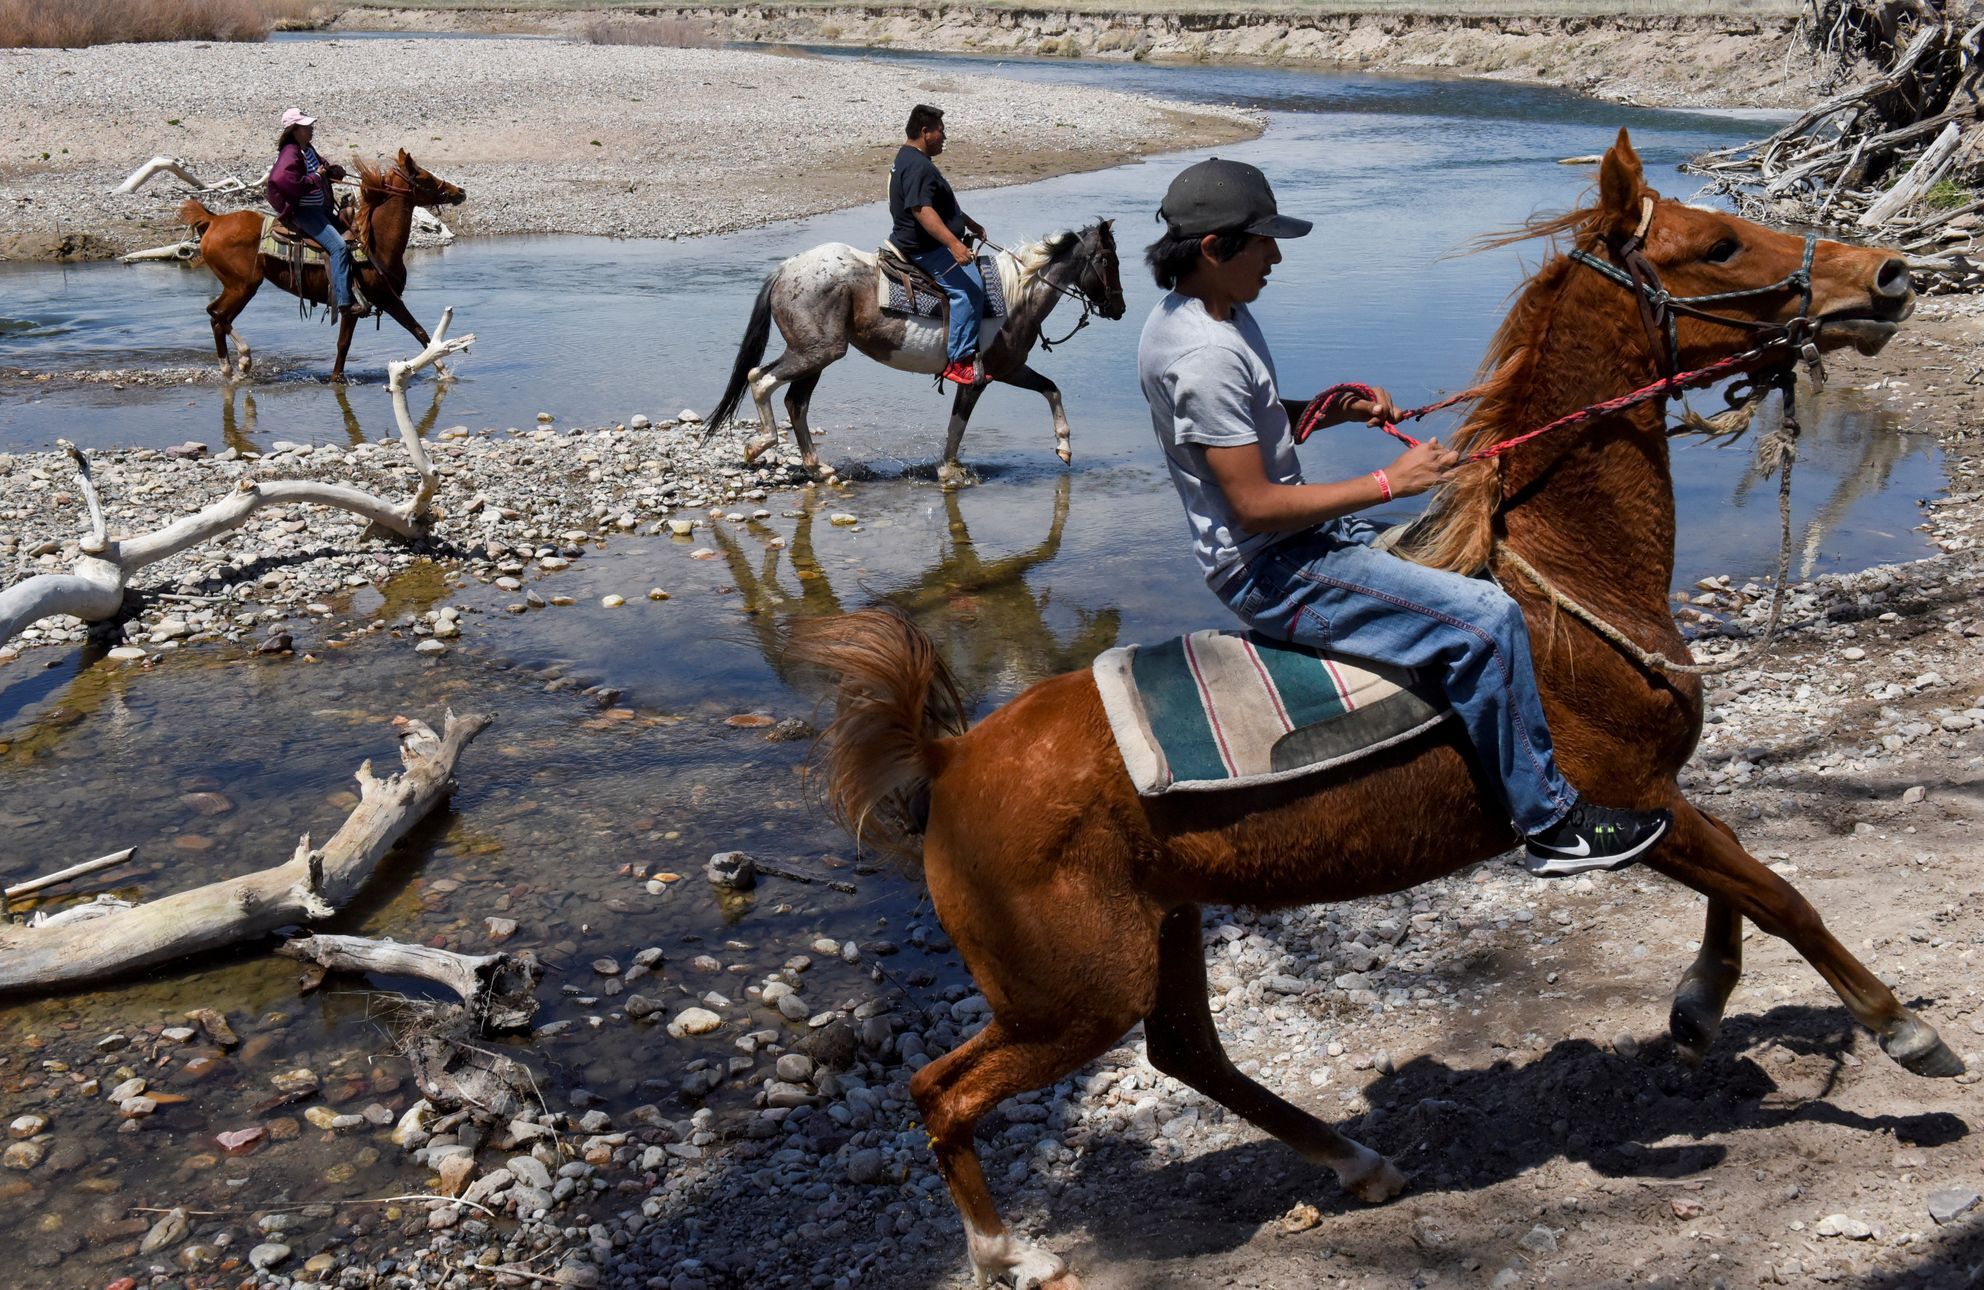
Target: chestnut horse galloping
x=1076, y=903
x=231, y=246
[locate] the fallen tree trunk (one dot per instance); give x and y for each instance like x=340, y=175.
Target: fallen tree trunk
x=312, y=884
x=497, y=990
x=94, y=589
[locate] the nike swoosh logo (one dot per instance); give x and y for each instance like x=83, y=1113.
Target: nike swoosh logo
x=1582, y=849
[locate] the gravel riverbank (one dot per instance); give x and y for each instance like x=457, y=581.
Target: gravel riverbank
x=547, y=136
x=1499, y=1036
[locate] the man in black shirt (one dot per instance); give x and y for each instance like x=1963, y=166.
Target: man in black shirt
x=930, y=229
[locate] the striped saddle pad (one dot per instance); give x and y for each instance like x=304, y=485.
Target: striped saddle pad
x=281, y=248
x=1222, y=709
x=897, y=297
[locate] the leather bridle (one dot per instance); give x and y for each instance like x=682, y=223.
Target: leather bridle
x=1660, y=308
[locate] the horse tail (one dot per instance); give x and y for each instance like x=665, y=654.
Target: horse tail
x=757, y=334
x=194, y=214
x=897, y=701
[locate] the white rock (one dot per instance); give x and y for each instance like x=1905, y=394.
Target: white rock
x=694, y=1021
x=1842, y=1225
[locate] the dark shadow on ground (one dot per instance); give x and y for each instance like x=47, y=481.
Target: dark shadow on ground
x=1460, y=1129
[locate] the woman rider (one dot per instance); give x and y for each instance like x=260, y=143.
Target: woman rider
x=1294, y=561
x=299, y=190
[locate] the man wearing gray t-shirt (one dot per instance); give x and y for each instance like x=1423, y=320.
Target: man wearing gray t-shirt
x=1290, y=558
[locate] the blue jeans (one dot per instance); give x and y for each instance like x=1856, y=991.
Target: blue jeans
x=1328, y=588
x=967, y=293
x=314, y=222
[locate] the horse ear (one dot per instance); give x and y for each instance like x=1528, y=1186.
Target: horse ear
x=1621, y=185
x=406, y=161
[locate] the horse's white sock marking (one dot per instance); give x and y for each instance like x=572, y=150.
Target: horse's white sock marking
x=992, y=1257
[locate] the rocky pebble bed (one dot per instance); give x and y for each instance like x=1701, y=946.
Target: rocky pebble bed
x=514, y=502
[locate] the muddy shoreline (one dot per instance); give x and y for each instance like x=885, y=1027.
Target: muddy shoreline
x=1700, y=60
x=546, y=136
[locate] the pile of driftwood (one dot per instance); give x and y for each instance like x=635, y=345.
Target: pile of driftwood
x=1897, y=157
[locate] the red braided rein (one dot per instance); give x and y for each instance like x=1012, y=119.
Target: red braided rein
x=1666, y=387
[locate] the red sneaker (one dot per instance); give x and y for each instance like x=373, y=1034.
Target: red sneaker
x=964, y=371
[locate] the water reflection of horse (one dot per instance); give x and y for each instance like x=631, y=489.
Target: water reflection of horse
x=1877, y=455
x=231, y=246
x=1077, y=904
x=237, y=423
x=825, y=300
x=992, y=618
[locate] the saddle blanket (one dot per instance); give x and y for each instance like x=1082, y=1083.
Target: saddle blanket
x=896, y=298
x=1227, y=709
x=278, y=248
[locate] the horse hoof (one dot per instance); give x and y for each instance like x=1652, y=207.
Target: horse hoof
x=1915, y=1044
x=757, y=447
x=1694, y=1020
x=1377, y=1185
x=1067, y=457
x=950, y=477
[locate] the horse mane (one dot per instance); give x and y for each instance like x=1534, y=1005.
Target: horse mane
x=1036, y=256
x=1456, y=530
x=371, y=179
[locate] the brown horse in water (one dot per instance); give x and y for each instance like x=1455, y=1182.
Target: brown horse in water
x=231, y=246
x=1076, y=903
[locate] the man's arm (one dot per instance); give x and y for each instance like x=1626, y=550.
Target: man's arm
x=926, y=216
x=1264, y=506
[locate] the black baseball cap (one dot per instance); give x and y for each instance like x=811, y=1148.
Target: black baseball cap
x=1218, y=196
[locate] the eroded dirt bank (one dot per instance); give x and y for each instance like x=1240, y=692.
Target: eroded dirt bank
x=1739, y=60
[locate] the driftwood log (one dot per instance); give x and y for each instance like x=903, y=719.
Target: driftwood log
x=99, y=941
x=93, y=590
x=497, y=990
x=1899, y=155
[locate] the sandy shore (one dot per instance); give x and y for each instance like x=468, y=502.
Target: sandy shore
x=546, y=136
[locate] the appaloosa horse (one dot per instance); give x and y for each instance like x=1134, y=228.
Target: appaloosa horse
x=231, y=246
x=1076, y=903
x=824, y=300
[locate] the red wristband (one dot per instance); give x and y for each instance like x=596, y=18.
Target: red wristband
x=1384, y=485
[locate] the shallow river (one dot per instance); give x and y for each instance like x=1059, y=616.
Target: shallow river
x=1031, y=572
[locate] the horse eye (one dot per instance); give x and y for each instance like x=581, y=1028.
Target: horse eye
x=1724, y=251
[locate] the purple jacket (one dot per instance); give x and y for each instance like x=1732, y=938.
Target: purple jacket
x=290, y=180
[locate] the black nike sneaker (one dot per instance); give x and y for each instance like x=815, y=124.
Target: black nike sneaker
x=1593, y=837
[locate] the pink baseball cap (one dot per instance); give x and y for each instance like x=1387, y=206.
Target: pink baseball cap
x=294, y=116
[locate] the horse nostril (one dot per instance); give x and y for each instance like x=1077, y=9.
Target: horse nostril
x=1892, y=280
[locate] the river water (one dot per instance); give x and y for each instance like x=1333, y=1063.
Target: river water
x=566, y=810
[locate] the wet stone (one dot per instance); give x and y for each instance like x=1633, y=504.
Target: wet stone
x=241, y=1141
x=168, y=1231
x=694, y=1021
x=731, y=871
x=268, y=1255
